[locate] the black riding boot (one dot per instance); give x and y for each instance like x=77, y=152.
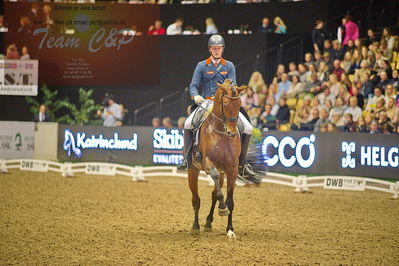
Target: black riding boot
x=245, y=169
x=188, y=143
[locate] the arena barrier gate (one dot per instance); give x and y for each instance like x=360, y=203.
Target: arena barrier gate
x=300, y=183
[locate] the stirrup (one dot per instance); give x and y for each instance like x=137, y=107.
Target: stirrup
x=183, y=166
x=246, y=171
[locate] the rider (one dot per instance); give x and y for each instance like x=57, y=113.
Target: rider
x=207, y=73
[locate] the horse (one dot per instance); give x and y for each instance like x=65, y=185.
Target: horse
x=217, y=153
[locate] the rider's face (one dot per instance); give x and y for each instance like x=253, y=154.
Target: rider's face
x=216, y=51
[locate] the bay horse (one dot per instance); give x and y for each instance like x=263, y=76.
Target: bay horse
x=217, y=153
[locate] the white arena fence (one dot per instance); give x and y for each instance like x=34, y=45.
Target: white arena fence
x=300, y=183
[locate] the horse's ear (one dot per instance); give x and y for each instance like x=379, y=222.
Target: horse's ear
x=221, y=86
x=241, y=89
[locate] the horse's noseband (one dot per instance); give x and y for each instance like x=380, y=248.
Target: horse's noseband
x=226, y=119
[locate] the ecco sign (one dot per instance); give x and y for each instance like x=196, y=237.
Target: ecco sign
x=287, y=142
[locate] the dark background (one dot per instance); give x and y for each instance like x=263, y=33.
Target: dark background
x=179, y=54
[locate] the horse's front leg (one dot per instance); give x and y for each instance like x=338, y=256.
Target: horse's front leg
x=209, y=219
x=223, y=211
x=193, y=183
x=231, y=179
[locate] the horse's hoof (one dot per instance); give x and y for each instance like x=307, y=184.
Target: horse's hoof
x=231, y=236
x=208, y=229
x=224, y=212
x=195, y=232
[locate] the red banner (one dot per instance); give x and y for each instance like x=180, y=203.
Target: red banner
x=85, y=44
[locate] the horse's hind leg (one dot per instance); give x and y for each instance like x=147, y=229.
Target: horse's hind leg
x=193, y=183
x=209, y=218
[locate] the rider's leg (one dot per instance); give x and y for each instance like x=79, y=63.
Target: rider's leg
x=188, y=143
x=245, y=169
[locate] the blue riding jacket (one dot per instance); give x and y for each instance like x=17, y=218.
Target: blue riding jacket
x=206, y=74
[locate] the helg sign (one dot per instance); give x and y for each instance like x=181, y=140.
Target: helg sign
x=168, y=146
x=287, y=151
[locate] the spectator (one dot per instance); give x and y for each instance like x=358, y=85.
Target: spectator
x=180, y=122
x=374, y=128
x=283, y=86
x=308, y=59
x=371, y=38
x=323, y=74
x=339, y=108
x=323, y=128
x=364, y=69
x=351, y=29
x=303, y=74
x=368, y=119
x=391, y=108
x=327, y=46
x=323, y=120
x=347, y=62
x=34, y=15
x=351, y=47
x=384, y=81
x=338, y=120
x=292, y=70
x=353, y=109
x=326, y=95
x=281, y=28
x=387, y=128
x=283, y=113
x=26, y=25
x=372, y=101
x=25, y=53
x=334, y=84
x=210, y=26
x=337, y=70
x=314, y=86
x=42, y=116
x=311, y=70
x=389, y=93
x=267, y=119
x=317, y=58
x=337, y=52
x=266, y=27
x=3, y=25
x=379, y=107
x=175, y=28
x=318, y=36
x=295, y=88
x=355, y=92
x=395, y=79
x=112, y=113
x=156, y=122
x=48, y=20
x=272, y=101
x=387, y=36
x=366, y=86
x=331, y=128
x=327, y=59
x=361, y=125
x=167, y=123
x=313, y=118
x=249, y=99
x=280, y=71
x=156, y=29
x=256, y=82
x=350, y=125
x=371, y=58
x=12, y=52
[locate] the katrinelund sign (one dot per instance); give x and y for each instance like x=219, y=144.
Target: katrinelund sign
x=104, y=144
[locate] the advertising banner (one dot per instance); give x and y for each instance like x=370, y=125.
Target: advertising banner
x=363, y=155
x=85, y=44
x=19, y=77
x=130, y=145
x=17, y=140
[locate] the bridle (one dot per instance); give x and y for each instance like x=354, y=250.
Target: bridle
x=225, y=119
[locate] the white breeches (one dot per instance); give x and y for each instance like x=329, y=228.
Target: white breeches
x=207, y=105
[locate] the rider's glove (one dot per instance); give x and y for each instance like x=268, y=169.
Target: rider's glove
x=198, y=99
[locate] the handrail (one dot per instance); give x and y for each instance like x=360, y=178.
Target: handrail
x=144, y=107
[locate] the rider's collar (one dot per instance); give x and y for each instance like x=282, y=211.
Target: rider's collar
x=211, y=61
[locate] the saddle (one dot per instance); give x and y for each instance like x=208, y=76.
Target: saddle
x=200, y=115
